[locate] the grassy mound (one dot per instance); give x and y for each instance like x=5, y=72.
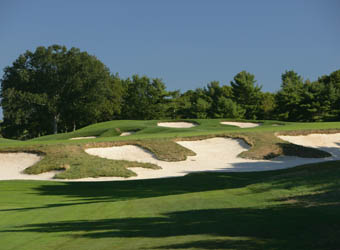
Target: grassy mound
x=149, y=130
x=268, y=145
x=76, y=164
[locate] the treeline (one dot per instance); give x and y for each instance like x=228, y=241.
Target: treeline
x=55, y=90
x=297, y=100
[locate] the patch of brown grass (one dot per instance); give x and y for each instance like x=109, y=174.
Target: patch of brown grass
x=308, y=132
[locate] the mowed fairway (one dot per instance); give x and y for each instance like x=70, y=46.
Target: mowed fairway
x=297, y=208
x=290, y=209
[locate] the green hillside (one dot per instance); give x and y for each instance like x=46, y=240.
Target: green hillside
x=296, y=208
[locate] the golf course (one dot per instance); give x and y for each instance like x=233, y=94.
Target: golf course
x=240, y=206
x=170, y=125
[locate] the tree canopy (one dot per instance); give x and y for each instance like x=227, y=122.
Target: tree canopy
x=54, y=89
x=247, y=93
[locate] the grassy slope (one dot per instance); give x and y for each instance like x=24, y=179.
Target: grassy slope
x=288, y=209
x=296, y=208
x=61, y=153
x=150, y=130
x=6, y=141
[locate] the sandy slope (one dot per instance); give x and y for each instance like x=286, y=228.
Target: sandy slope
x=215, y=154
x=82, y=138
x=242, y=124
x=325, y=142
x=126, y=133
x=176, y=124
x=12, y=165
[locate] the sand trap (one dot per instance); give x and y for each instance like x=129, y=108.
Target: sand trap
x=242, y=124
x=12, y=165
x=126, y=133
x=216, y=154
x=82, y=138
x=176, y=124
x=325, y=142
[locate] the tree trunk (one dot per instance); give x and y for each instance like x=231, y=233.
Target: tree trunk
x=55, y=124
x=74, y=126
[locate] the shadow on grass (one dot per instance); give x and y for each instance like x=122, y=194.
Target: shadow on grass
x=300, y=222
x=94, y=192
x=284, y=227
x=325, y=174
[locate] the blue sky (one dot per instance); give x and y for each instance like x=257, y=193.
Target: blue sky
x=187, y=43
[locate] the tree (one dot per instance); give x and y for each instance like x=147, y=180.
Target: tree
x=267, y=106
x=145, y=98
x=289, y=97
x=227, y=108
x=54, y=86
x=247, y=93
x=184, y=105
x=194, y=104
x=216, y=96
x=330, y=95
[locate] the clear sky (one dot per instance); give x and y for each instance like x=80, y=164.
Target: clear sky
x=187, y=43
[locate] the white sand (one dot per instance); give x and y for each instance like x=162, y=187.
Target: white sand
x=325, y=142
x=216, y=154
x=176, y=124
x=126, y=133
x=12, y=165
x=82, y=138
x=242, y=124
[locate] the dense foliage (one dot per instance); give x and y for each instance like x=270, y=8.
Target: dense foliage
x=56, y=90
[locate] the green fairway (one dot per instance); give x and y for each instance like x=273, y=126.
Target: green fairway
x=289, y=209
x=108, y=131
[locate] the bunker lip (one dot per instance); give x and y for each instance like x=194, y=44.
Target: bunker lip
x=13, y=164
x=127, y=133
x=323, y=141
x=242, y=124
x=211, y=155
x=83, y=138
x=176, y=124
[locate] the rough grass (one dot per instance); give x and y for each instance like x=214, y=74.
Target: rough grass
x=266, y=145
x=296, y=209
x=76, y=164
x=165, y=150
x=309, y=131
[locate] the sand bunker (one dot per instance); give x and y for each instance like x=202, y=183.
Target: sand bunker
x=126, y=133
x=325, y=142
x=242, y=124
x=176, y=124
x=216, y=154
x=82, y=138
x=12, y=165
